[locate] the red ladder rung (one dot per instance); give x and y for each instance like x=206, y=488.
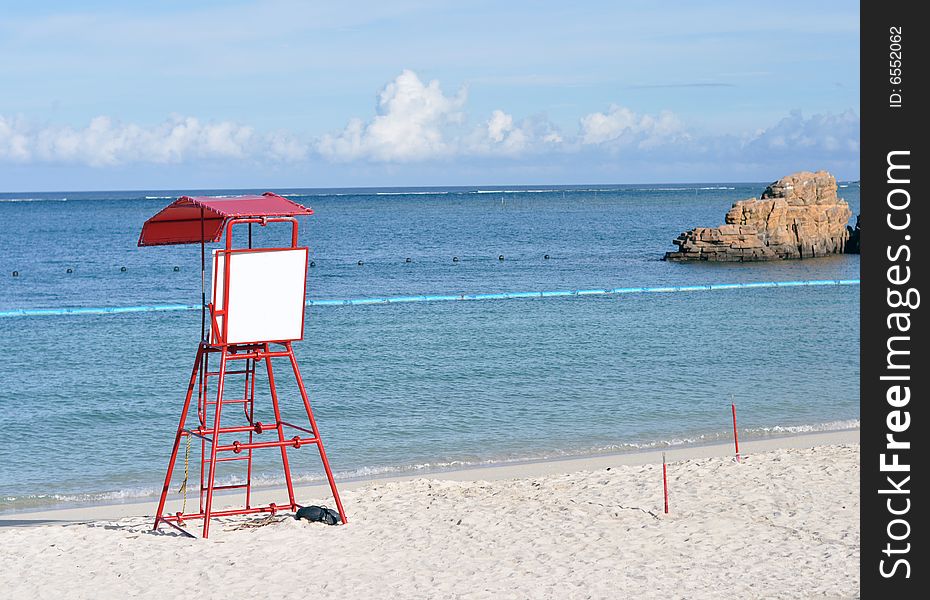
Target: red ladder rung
x=238, y=486
x=275, y=444
x=236, y=372
x=266, y=428
x=257, y=356
x=226, y=459
x=225, y=513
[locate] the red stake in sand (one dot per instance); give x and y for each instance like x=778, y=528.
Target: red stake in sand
x=665, y=482
x=735, y=435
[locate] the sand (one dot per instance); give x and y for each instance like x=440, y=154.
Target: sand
x=782, y=524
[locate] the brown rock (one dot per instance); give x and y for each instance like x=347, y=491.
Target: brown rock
x=798, y=216
x=804, y=188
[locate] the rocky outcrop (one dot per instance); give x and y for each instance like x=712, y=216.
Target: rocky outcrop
x=852, y=245
x=798, y=216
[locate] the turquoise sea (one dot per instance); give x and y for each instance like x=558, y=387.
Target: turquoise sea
x=90, y=403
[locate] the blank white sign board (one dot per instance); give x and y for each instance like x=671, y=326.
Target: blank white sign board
x=267, y=291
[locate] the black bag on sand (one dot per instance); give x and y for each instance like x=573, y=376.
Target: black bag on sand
x=318, y=514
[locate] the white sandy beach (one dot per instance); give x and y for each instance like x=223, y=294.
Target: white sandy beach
x=783, y=524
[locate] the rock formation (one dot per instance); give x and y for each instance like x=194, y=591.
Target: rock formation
x=798, y=216
x=852, y=246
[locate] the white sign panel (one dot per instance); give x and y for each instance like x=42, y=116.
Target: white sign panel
x=267, y=291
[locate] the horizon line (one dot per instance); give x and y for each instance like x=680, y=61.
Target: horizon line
x=481, y=187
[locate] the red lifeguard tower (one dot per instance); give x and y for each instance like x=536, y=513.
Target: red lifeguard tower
x=256, y=313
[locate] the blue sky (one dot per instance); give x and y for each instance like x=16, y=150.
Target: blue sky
x=295, y=94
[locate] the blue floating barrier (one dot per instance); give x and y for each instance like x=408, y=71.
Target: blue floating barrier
x=106, y=310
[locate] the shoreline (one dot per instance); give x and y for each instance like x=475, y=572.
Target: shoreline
x=492, y=472
x=783, y=523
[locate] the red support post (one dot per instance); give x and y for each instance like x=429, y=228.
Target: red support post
x=665, y=482
x=319, y=444
x=213, y=446
x=280, y=428
x=735, y=434
x=177, y=437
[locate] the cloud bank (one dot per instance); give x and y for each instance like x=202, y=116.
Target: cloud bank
x=107, y=142
x=418, y=122
x=621, y=125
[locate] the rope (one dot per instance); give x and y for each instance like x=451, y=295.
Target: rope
x=270, y=519
x=183, y=488
x=105, y=310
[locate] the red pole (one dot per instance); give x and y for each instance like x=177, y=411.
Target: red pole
x=735, y=435
x=316, y=431
x=177, y=438
x=665, y=482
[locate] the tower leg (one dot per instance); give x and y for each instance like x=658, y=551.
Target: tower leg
x=277, y=418
x=316, y=431
x=202, y=418
x=214, y=445
x=249, y=409
x=177, y=437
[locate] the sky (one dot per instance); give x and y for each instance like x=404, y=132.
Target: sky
x=279, y=94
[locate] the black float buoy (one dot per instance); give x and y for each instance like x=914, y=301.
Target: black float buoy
x=407, y=260
x=122, y=269
x=176, y=269
x=501, y=257
x=546, y=257
x=455, y=259
x=15, y=273
x=69, y=270
x=360, y=263
x=312, y=263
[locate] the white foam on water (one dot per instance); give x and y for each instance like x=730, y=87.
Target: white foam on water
x=39, y=501
x=410, y=193
x=829, y=426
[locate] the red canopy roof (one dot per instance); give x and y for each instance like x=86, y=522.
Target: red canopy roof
x=180, y=221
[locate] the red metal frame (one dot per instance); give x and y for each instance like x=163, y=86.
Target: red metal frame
x=209, y=432
x=220, y=333
x=196, y=219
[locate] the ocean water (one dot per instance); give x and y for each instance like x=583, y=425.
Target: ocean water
x=90, y=403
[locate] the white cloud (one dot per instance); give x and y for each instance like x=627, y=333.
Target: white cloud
x=622, y=126
x=827, y=134
x=499, y=125
x=502, y=135
x=14, y=144
x=416, y=122
x=108, y=142
x=499, y=135
x=410, y=125
x=284, y=146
